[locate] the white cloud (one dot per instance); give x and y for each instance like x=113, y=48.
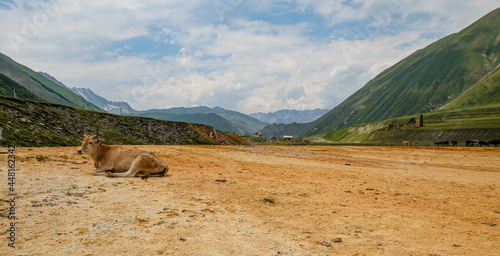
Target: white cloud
x=235, y=54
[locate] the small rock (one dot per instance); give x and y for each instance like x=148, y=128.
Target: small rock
x=326, y=244
x=223, y=180
x=78, y=194
x=456, y=245
x=337, y=240
x=491, y=224
x=497, y=212
x=182, y=239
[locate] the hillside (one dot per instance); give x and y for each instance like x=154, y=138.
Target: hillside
x=42, y=86
x=30, y=123
x=424, y=81
x=211, y=119
x=11, y=88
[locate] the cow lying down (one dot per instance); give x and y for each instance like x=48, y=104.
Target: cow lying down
x=120, y=161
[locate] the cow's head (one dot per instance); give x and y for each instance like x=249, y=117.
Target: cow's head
x=89, y=145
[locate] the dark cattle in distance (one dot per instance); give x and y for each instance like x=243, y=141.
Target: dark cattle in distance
x=495, y=143
x=483, y=143
x=439, y=143
x=446, y=143
x=470, y=143
x=454, y=142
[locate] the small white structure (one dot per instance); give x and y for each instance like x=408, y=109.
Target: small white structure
x=258, y=135
x=287, y=137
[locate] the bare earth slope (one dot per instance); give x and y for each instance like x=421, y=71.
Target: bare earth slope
x=260, y=200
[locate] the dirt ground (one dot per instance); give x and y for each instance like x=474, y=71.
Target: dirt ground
x=259, y=200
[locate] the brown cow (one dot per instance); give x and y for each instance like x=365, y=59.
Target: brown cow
x=406, y=143
x=120, y=161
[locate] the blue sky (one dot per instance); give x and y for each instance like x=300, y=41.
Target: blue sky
x=248, y=56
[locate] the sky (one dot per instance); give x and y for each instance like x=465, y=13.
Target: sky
x=247, y=56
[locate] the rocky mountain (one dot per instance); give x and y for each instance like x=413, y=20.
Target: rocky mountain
x=288, y=116
x=42, y=86
x=113, y=107
x=424, y=81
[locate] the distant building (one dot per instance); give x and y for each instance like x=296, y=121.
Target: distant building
x=420, y=120
x=289, y=137
x=258, y=135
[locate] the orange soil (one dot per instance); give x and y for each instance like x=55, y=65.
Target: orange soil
x=259, y=200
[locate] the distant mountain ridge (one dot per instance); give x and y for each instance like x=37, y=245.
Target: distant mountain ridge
x=422, y=82
x=113, y=107
x=220, y=118
x=232, y=121
x=51, y=78
x=280, y=130
x=288, y=116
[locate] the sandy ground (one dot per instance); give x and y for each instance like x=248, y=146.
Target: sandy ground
x=259, y=200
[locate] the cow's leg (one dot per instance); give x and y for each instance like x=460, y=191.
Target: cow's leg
x=143, y=165
x=138, y=164
x=98, y=172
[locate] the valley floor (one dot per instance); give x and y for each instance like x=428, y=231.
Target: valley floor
x=259, y=200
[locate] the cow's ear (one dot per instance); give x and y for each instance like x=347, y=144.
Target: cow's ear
x=99, y=141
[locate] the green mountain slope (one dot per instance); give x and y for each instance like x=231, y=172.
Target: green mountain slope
x=483, y=93
x=11, y=88
x=424, y=81
x=211, y=119
x=41, y=86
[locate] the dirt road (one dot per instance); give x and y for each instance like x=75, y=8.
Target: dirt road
x=259, y=200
